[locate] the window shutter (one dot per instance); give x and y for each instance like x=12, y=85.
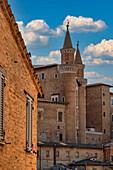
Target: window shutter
x=29, y=123
x=1, y=107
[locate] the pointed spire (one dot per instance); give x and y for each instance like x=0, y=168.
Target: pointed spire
x=67, y=41
x=78, y=59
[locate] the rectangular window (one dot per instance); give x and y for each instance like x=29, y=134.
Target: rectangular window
x=103, y=94
x=83, y=169
x=112, y=117
x=104, y=114
x=67, y=154
x=94, y=168
x=104, y=131
x=2, y=83
x=57, y=153
x=60, y=137
x=87, y=155
x=40, y=114
x=77, y=154
x=104, y=103
x=47, y=153
x=111, y=101
x=60, y=116
x=95, y=155
x=29, y=123
x=42, y=76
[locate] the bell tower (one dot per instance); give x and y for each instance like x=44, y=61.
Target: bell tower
x=67, y=52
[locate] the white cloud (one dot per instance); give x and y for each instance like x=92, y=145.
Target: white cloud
x=96, y=77
x=101, y=49
x=53, y=57
x=95, y=61
x=37, y=33
x=83, y=24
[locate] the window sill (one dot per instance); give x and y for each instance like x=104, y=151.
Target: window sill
x=2, y=143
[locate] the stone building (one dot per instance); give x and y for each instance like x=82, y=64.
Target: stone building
x=72, y=111
x=19, y=88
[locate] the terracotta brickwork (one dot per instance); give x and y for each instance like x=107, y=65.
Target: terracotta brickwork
x=98, y=109
x=49, y=127
x=19, y=78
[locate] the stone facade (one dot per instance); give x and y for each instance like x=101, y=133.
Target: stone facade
x=19, y=77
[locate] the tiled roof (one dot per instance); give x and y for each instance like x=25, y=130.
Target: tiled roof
x=67, y=41
x=98, y=84
x=71, y=145
x=20, y=42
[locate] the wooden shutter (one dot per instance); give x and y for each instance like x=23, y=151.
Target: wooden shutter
x=1, y=107
x=29, y=123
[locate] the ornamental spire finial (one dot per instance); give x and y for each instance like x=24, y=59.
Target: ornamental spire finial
x=67, y=25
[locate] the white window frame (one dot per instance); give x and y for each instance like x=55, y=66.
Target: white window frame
x=29, y=122
x=53, y=98
x=2, y=99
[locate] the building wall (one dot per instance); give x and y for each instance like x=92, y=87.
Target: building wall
x=49, y=127
x=18, y=79
x=98, y=110
x=47, y=162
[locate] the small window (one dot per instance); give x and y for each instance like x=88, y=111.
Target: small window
x=47, y=153
x=40, y=115
x=112, y=117
x=43, y=76
x=104, y=103
x=87, y=155
x=29, y=123
x=56, y=99
x=57, y=153
x=103, y=94
x=53, y=99
x=56, y=75
x=104, y=114
x=83, y=169
x=60, y=116
x=104, y=131
x=37, y=154
x=94, y=168
x=111, y=101
x=67, y=154
x=77, y=154
x=58, y=127
x=60, y=137
x=95, y=155
x=63, y=99
x=2, y=89
x=36, y=74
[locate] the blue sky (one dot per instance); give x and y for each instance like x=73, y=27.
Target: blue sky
x=42, y=24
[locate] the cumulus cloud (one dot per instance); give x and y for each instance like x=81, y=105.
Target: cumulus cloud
x=104, y=48
x=83, y=24
x=53, y=57
x=95, y=61
x=37, y=33
x=96, y=77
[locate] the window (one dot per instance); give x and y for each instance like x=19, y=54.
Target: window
x=60, y=116
x=67, y=154
x=55, y=98
x=60, y=137
x=58, y=127
x=111, y=101
x=94, y=168
x=40, y=114
x=83, y=169
x=95, y=155
x=104, y=114
x=36, y=74
x=112, y=158
x=87, y=155
x=42, y=76
x=37, y=154
x=63, y=99
x=77, y=154
x=57, y=153
x=56, y=75
x=112, y=117
x=2, y=85
x=47, y=153
x=104, y=103
x=29, y=123
x=104, y=131
x=103, y=94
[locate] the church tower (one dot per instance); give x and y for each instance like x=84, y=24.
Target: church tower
x=67, y=52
